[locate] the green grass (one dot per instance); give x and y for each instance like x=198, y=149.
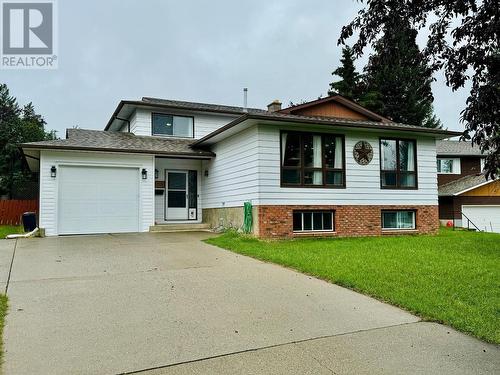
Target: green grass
x=452, y=278
x=3, y=313
x=9, y=229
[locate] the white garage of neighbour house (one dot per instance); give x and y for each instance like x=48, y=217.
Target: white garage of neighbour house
x=327, y=167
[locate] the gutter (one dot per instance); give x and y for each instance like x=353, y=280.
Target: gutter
x=166, y=106
x=318, y=121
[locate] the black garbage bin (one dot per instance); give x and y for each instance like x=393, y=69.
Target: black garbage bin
x=29, y=221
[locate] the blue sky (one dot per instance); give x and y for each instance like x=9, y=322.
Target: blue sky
x=192, y=50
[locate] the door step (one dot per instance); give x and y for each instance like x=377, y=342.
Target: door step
x=169, y=228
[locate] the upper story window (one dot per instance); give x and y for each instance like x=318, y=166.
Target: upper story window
x=398, y=164
x=312, y=160
x=174, y=126
x=448, y=166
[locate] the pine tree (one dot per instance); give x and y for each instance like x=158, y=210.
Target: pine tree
x=17, y=125
x=398, y=79
x=349, y=84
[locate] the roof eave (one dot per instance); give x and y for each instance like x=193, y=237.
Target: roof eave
x=194, y=155
x=380, y=125
x=165, y=106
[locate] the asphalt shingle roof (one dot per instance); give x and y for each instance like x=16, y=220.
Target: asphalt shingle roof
x=193, y=106
x=457, y=148
x=461, y=184
x=98, y=140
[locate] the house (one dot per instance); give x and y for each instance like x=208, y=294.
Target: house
x=466, y=197
x=327, y=167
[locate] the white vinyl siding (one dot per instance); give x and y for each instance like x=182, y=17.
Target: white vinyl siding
x=49, y=186
x=362, y=182
x=233, y=173
x=204, y=123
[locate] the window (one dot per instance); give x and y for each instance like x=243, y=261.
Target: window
x=398, y=164
x=448, y=166
x=175, y=126
x=312, y=160
x=396, y=220
x=313, y=221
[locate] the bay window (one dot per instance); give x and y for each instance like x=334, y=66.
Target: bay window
x=398, y=164
x=312, y=160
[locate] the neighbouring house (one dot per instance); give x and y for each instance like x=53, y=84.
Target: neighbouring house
x=466, y=197
x=327, y=167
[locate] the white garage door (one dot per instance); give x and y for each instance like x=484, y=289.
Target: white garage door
x=97, y=200
x=486, y=218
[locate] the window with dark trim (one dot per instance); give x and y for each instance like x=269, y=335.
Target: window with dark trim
x=312, y=160
x=398, y=164
x=313, y=221
x=398, y=220
x=172, y=125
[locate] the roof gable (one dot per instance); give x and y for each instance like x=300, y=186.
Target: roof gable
x=334, y=107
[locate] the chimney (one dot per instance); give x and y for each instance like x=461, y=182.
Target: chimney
x=274, y=106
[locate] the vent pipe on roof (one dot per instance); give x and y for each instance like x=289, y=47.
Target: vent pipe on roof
x=245, y=99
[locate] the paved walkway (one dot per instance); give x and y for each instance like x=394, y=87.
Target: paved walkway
x=170, y=304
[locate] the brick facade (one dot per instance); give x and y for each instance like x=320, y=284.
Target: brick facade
x=350, y=221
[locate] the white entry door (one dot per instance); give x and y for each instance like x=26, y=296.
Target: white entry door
x=97, y=199
x=487, y=218
x=176, y=195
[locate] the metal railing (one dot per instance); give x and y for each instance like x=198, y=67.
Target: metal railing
x=469, y=221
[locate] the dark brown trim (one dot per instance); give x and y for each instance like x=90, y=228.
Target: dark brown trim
x=208, y=155
x=339, y=99
x=398, y=170
x=166, y=135
x=357, y=124
x=167, y=106
x=303, y=169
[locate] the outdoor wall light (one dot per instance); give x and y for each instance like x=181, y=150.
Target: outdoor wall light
x=53, y=171
x=206, y=172
x=156, y=174
x=144, y=174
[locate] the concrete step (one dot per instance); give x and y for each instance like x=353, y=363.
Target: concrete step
x=168, y=228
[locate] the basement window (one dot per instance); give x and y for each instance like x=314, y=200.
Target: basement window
x=398, y=220
x=313, y=221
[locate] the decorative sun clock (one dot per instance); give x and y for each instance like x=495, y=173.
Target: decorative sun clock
x=363, y=153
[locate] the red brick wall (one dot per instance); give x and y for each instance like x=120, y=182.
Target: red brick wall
x=276, y=221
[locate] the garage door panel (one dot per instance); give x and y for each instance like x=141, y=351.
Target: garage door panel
x=486, y=218
x=98, y=200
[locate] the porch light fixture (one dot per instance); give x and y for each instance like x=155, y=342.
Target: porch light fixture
x=156, y=174
x=144, y=174
x=206, y=172
x=53, y=171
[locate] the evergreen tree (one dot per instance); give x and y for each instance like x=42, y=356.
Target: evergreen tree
x=17, y=125
x=462, y=40
x=398, y=79
x=349, y=84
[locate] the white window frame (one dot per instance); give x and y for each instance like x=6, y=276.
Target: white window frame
x=312, y=222
x=414, y=226
x=455, y=166
x=482, y=161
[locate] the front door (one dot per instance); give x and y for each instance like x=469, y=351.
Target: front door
x=176, y=200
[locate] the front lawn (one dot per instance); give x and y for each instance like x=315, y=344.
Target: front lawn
x=9, y=229
x=452, y=278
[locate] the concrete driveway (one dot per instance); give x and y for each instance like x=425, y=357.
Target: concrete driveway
x=170, y=304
